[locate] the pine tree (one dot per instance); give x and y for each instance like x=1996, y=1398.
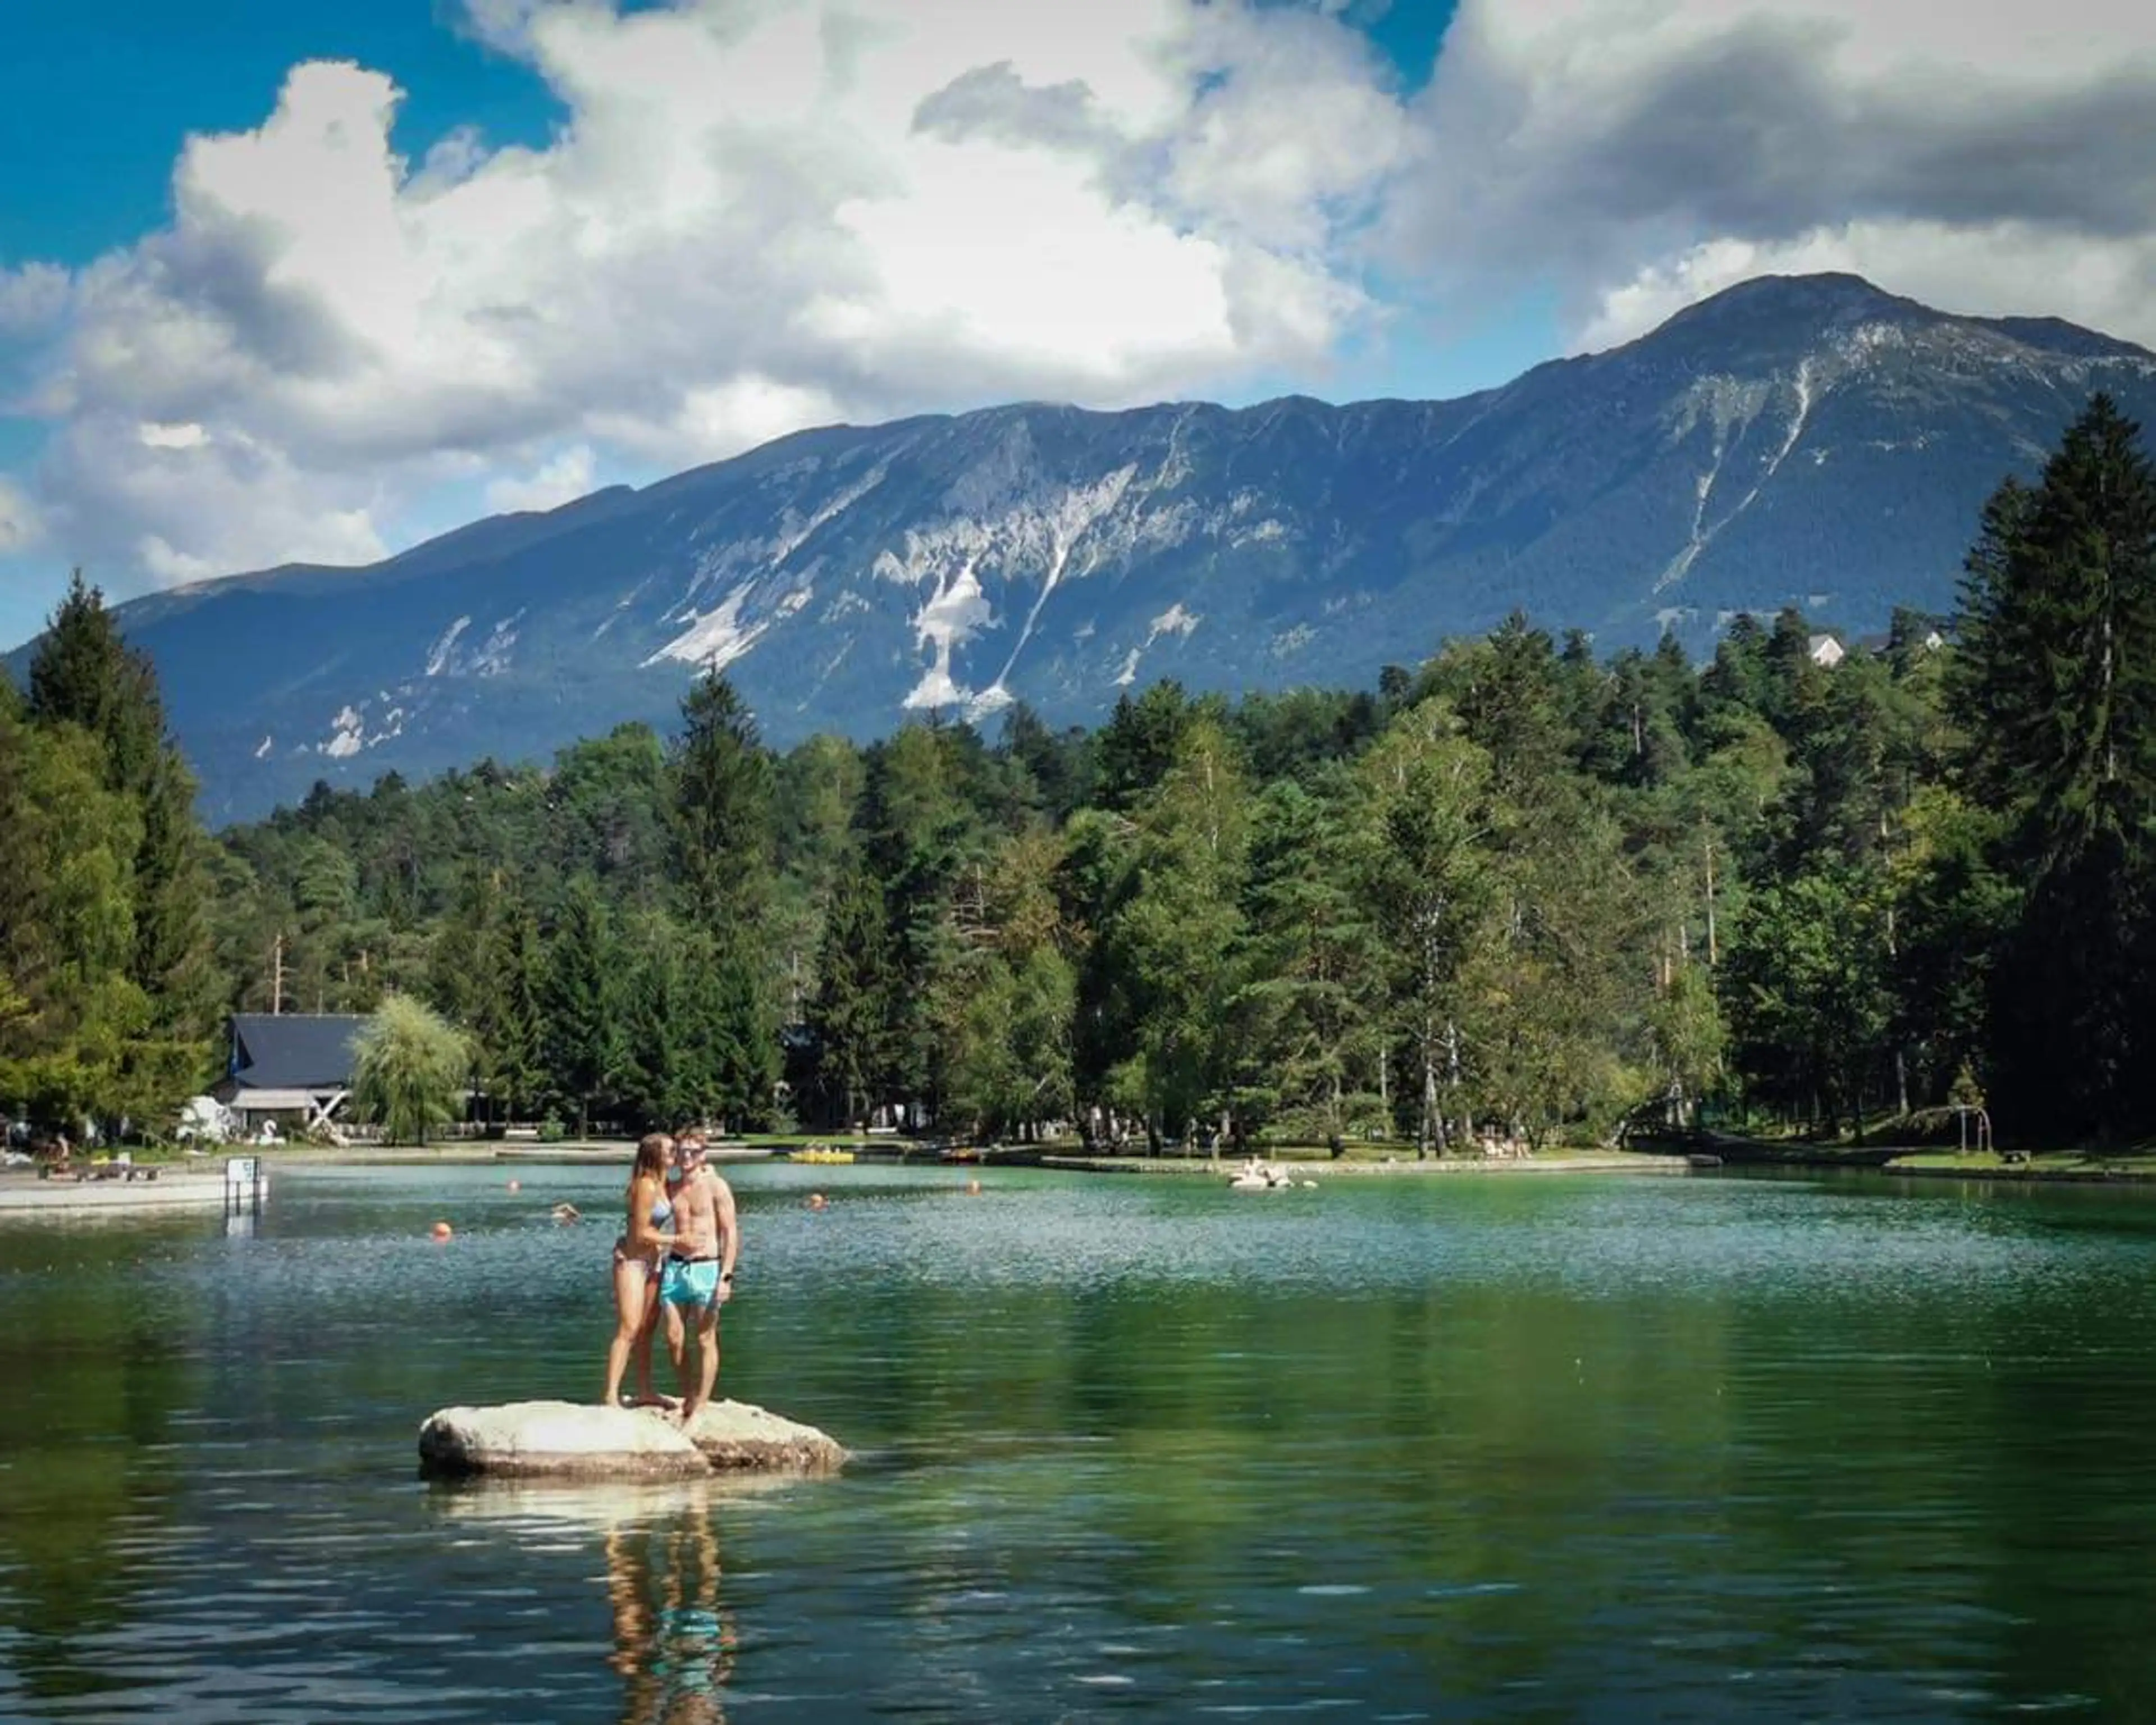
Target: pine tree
x=849, y=1015
x=2058, y=628
x=2057, y=672
x=922, y=840
x=84, y=673
x=1135, y=748
x=507, y=1017
x=580, y=1001
x=723, y=833
x=660, y=1068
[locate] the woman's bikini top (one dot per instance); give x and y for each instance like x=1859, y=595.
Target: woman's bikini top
x=662, y=1212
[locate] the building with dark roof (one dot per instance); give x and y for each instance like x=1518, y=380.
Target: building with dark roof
x=289, y=1062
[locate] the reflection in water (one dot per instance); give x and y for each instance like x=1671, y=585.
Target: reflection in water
x=674, y=1642
x=89, y=1377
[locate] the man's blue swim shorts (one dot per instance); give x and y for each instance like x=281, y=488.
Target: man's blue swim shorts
x=690, y=1282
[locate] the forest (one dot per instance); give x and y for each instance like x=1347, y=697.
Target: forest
x=1519, y=891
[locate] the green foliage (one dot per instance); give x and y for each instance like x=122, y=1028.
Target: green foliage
x=580, y=988
x=1809, y=991
x=1177, y=925
x=1515, y=893
x=410, y=1069
x=1426, y=831
x=2057, y=688
x=723, y=817
x=1309, y=976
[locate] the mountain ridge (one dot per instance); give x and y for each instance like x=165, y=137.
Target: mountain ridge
x=1806, y=439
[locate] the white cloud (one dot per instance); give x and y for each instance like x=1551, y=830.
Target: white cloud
x=32, y=299
x=19, y=526
x=746, y=226
x=762, y=216
x=1639, y=153
x=2001, y=267
x=567, y=476
x=189, y=436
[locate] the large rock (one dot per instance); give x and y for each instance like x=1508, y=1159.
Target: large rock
x=732, y=1436
x=555, y=1439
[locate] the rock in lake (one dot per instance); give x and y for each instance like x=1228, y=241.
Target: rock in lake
x=575, y=1440
x=738, y=1436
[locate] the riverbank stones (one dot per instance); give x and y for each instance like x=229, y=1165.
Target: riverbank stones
x=573, y=1440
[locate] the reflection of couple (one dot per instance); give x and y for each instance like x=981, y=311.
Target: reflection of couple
x=672, y=1644
x=675, y=1255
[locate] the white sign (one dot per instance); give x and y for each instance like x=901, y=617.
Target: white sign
x=239, y=1171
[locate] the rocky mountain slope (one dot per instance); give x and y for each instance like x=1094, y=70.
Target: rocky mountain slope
x=1810, y=440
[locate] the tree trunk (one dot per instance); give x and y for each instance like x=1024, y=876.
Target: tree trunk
x=1428, y=1124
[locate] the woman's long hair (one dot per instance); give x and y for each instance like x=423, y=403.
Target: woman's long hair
x=654, y=1151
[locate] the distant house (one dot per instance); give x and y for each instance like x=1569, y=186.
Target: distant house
x=1825, y=651
x=1884, y=643
x=284, y=1064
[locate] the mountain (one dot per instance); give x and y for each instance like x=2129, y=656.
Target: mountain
x=1809, y=440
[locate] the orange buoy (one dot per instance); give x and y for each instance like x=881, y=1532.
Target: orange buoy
x=442, y=1230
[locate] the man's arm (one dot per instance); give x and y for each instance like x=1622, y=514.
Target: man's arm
x=722, y=1197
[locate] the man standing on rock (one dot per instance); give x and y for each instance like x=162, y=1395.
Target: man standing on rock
x=699, y=1273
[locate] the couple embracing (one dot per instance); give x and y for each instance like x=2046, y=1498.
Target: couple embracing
x=676, y=1256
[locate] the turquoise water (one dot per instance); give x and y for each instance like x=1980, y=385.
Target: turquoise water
x=1515, y=1448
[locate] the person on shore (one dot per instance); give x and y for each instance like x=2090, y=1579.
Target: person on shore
x=638, y=1254
x=698, y=1275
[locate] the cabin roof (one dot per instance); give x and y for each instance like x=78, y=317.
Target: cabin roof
x=293, y=1050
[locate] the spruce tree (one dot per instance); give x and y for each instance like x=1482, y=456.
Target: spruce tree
x=2058, y=627
x=2057, y=680
x=507, y=1018
x=658, y=1040
x=724, y=836
x=83, y=673
x=722, y=805
x=848, y=1016
x=580, y=1001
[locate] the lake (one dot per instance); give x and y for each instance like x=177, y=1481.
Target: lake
x=1535, y=1447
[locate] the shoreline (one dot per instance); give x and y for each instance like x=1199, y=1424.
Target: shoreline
x=1585, y=1161
x=200, y=1183
x=185, y=1187
x=1908, y=1161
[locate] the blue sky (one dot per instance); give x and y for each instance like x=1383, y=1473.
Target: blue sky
x=498, y=252
x=100, y=96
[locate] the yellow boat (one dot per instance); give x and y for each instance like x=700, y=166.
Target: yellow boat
x=823, y=1154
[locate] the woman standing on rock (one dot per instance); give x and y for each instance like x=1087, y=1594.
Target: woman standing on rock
x=636, y=1256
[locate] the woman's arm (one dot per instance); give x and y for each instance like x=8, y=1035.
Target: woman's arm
x=643, y=1236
